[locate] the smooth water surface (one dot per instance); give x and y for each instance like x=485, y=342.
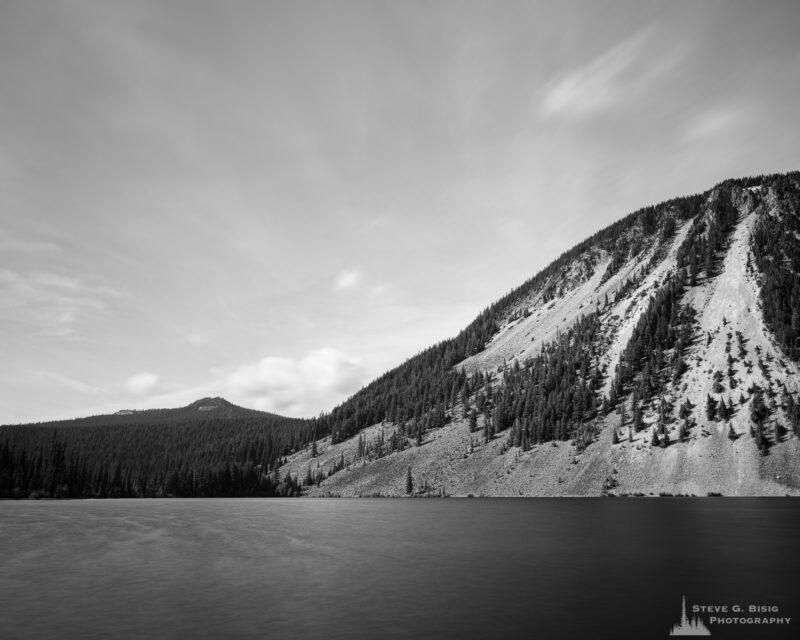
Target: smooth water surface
x=372, y=568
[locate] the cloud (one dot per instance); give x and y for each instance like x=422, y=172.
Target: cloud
x=197, y=339
x=348, y=279
x=379, y=289
x=12, y=244
x=607, y=81
x=51, y=303
x=712, y=123
x=317, y=382
x=68, y=382
x=144, y=383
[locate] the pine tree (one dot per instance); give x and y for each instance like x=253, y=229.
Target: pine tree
x=758, y=410
x=654, y=439
x=711, y=407
x=761, y=441
x=683, y=430
x=638, y=422
x=722, y=410
x=614, y=437
x=409, y=482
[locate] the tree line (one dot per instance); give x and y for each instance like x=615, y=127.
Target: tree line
x=156, y=454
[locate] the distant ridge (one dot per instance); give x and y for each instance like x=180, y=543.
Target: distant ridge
x=198, y=410
x=209, y=448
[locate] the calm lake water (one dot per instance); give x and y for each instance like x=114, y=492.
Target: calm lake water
x=328, y=569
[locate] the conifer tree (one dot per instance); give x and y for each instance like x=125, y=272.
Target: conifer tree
x=758, y=410
x=761, y=441
x=722, y=410
x=638, y=423
x=683, y=430
x=711, y=407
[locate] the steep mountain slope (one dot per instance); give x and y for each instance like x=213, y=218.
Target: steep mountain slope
x=660, y=355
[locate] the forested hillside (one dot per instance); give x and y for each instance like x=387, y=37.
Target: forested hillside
x=420, y=389
x=425, y=387
x=210, y=448
x=651, y=307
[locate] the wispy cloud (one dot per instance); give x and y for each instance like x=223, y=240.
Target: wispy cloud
x=69, y=382
x=143, y=384
x=713, y=122
x=10, y=243
x=348, y=279
x=51, y=303
x=322, y=378
x=379, y=289
x=197, y=339
x=607, y=81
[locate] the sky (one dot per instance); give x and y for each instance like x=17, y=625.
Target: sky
x=276, y=202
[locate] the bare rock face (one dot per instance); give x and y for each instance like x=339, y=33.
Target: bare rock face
x=658, y=357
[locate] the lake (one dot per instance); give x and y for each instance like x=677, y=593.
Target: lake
x=402, y=568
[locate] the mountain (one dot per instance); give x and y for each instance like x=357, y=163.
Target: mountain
x=661, y=355
x=208, y=448
x=198, y=411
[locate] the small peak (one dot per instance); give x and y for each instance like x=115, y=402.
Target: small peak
x=209, y=404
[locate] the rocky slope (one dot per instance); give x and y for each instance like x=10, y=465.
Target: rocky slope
x=692, y=381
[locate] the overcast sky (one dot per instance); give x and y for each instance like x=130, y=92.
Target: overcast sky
x=278, y=201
